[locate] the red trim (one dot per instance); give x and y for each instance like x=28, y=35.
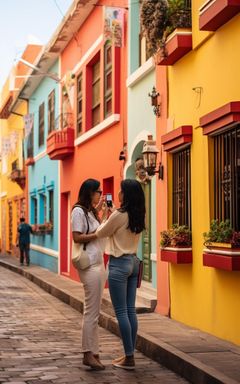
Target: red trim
x=116, y=92
x=177, y=138
x=220, y=117
x=176, y=47
x=176, y=257
x=216, y=13
x=228, y=263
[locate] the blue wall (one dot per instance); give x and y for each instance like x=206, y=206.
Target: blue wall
x=43, y=177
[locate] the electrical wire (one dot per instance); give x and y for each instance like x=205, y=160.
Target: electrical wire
x=64, y=18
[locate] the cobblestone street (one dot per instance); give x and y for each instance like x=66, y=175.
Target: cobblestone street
x=40, y=339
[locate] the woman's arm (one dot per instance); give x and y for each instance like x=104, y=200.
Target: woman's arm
x=109, y=227
x=79, y=237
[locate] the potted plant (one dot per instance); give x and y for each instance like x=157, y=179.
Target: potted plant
x=48, y=227
x=219, y=235
x=41, y=229
x=176, y=244
x=222, y=246
x=159, y=19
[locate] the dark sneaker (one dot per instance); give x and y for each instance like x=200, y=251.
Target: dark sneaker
x=127, y=362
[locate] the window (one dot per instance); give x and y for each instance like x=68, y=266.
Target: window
x=96, y=93
x=51, y=111
x=79, y=104
x=51, y=206
x=30, y=144
x=107, y=80
x=34, y=216
x=144, y=51
x=182, y=188
x=227, y=177
x=41, y=125
x=44, y=208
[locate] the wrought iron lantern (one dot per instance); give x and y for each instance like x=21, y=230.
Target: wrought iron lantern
x=154, y=101
x=150, y=152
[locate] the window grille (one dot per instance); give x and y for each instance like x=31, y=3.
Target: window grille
x=182, y=188
x=227, y=177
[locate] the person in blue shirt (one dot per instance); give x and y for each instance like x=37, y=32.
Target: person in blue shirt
x=23, y=240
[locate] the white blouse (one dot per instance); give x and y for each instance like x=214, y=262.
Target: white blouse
x=95, y=248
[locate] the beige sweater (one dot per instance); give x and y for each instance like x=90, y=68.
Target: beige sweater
x=120, y=240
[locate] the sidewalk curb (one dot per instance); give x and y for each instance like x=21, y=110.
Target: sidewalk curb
x=179, y=362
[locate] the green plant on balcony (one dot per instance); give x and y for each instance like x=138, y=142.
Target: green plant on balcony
x=177, y=236
x=159, y=18
x=41, y=229
x=221, y=234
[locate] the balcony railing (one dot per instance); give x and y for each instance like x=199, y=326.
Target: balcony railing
x=18, y=176
x=60, y=142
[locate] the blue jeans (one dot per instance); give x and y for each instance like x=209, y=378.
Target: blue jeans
x=122, y=278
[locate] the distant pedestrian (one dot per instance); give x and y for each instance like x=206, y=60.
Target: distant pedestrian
x=123, y=229
x=23, y=240
x=85, y=220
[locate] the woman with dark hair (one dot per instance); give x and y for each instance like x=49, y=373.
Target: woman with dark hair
x=85, y=218
x=123, y=229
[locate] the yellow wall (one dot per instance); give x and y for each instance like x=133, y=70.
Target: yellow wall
x=11, y=190
x=204, y=297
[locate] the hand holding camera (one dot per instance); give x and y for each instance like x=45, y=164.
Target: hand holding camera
x=109, y=200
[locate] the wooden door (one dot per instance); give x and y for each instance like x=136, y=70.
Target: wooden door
x=146, y=236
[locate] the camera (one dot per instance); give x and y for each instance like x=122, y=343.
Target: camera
x=109, y=200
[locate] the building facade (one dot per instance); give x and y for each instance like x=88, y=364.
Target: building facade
x=93, y=108
x=13, y=171
x=201, y=156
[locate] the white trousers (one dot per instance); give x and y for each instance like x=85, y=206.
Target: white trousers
x=93, y=279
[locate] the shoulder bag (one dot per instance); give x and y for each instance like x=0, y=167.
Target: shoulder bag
x=140, y=273
x=80, y=258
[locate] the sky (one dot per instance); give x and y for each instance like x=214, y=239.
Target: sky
x=23, y=22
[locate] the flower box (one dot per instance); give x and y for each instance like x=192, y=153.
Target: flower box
x=176, y=245
x=226, y=259
x=214, y=13
x=178, y=44
x=181, y=255
x=42, y=229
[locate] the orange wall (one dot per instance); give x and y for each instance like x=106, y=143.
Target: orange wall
x=98, y=157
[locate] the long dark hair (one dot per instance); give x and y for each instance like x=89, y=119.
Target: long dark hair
x=86, y=190
x=134, y=204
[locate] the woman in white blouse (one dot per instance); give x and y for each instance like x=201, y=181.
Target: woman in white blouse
x=85, y=219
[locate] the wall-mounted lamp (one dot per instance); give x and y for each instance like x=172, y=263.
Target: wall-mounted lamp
x=150, y=152
x=154, y=102
x=123, y=152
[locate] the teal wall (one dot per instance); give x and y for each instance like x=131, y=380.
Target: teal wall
x=140, y=115
x=43, y=176
x=134, y=30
